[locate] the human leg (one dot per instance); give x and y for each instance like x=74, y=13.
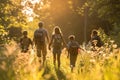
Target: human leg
x=71, y=62
x=58, y=59
x=74, y=60
x=54, y=58
x=39, y=54
x=44, y=52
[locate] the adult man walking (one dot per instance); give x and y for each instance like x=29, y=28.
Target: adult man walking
x=40, y=36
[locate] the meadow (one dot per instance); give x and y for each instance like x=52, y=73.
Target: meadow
x=101, y=64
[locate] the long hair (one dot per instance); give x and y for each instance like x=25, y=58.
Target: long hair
x=57, y=30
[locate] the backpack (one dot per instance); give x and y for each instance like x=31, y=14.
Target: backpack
x=39, y=37
x=73, y=48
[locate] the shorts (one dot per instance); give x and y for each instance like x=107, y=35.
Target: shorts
x=41, y=50
x=57, y=50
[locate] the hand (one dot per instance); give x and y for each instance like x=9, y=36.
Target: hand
x=67, y=56
x=49, y=47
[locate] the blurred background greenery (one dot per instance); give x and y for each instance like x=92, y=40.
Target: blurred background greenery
x=76, y=17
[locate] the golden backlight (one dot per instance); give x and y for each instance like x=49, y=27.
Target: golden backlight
x=28, y=8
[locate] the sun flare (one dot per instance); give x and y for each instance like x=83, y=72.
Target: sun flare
x=28, y=8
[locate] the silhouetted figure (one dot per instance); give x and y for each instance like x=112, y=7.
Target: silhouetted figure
x=40, y=36
x=57, y=43
x=95, y=39
x=25, y=42
x=73, y=47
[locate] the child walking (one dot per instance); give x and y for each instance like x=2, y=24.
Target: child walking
x=72, y=51
x=25, y=42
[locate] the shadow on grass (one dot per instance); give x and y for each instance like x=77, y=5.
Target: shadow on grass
x=60, y=74
x=47, y=75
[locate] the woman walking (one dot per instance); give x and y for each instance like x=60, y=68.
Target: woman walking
x=57, y=42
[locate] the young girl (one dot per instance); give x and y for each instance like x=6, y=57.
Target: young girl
x=73, y=47
x=57, y=41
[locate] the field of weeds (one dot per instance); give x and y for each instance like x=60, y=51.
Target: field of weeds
x=101, y=64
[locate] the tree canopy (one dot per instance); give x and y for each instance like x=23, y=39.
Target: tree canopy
x=68, y=14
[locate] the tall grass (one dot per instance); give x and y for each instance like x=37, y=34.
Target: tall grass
x=102, y=64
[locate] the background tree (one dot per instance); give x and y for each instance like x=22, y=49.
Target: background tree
x=10, y=15
x=107, y=15
x=71, y=15
x=100, y=14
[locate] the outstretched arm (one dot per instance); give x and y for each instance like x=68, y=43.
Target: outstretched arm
x=80, y=47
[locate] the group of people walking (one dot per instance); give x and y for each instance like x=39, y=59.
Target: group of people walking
x=56, y=42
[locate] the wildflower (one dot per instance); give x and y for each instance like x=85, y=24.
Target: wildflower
x=104, y=55
x=112, y=41
x=88, y=52
x=106, y=44
x=100, y=52
x=92, y=61
x=114, y=46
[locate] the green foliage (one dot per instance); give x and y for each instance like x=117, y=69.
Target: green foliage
x=70, y=16
x=102, y=14
x=115, y=34
x=106, y=9
x=3, y=37
x=105, y=38
x=15, y=33
x=10, y=15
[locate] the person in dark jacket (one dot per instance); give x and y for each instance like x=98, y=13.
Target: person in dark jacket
x=95, y=39
x=25, y=42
